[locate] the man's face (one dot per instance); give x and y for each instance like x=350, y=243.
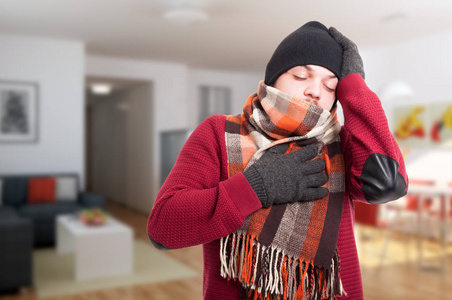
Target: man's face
x=312, y=83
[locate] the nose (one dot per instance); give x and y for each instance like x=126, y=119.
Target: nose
x=313, y=89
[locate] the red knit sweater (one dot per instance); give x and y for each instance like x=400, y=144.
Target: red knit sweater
x=199, y=204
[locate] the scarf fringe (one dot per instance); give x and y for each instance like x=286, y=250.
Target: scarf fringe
x=268, y=273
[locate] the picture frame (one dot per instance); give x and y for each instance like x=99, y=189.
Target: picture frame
x=423, y=125
x=19, y=104
x=411, y=125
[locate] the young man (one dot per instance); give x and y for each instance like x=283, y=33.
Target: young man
x=269, y=193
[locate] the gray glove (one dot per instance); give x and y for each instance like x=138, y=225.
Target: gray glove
x=351, y=60
x=279, y=178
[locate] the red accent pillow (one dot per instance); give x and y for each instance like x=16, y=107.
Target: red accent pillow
x=41, y=190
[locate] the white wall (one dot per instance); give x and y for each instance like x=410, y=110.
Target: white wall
x=57, y=67
x=242, y=85
x=425, y=64
x=139, y=160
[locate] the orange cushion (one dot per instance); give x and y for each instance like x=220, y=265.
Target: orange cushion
x=41, y=190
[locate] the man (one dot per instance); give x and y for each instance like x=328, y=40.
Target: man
x=269, y=193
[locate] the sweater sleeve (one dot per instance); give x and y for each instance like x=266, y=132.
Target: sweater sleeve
x=194, y=206
x=374, y=164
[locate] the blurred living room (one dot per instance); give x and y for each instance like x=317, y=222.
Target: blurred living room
x=98, y=97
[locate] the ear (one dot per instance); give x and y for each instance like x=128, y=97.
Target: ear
x=334, y=105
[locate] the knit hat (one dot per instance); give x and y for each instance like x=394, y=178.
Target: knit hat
x=311, y=44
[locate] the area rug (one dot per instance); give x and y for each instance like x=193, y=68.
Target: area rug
x=54, y=273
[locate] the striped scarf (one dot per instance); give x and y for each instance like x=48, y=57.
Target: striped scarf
x=285, y=251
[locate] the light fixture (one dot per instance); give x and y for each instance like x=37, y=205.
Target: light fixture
x=185, y=16
x=101, y=88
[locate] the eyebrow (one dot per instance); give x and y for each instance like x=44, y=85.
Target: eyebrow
x=310, y=69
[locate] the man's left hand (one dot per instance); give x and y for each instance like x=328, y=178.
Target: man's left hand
x=351, y=60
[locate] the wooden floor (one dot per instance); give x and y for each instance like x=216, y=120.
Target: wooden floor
x=399, y=277
x=402, y=275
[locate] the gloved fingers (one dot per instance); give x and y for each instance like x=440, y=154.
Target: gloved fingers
x=339, y=37
x=344, y=41
x=314, y=166
x=351, y=51
x=316, y=180
x=315, y=194
x=351, y=61
x=304, y=154
x=278, y=149
x=334, y=33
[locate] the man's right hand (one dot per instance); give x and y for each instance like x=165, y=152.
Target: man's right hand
x=279, y=178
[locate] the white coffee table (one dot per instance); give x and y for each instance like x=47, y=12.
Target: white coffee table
x=100, y=251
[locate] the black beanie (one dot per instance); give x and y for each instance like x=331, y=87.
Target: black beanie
x=311, y=44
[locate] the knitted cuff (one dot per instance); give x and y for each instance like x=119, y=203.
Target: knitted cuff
x=256, y=182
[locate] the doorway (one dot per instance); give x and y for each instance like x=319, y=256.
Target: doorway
x=119, y=140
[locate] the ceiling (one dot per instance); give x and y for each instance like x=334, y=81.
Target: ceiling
x=237, y=35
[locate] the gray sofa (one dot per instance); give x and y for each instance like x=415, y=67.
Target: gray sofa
x=16, y=244
x=24, y=225
x=69, y=200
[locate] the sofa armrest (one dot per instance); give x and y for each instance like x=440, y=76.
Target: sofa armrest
x=91, y=200
x=16, y=246
x=18, y=229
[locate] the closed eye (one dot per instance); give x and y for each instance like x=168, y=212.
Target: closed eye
x=329, y=89
x=299, y=78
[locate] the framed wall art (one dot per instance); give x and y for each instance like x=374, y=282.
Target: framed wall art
x=440, y=117
x=411, y=125
x=426, y=125
x=18, y=112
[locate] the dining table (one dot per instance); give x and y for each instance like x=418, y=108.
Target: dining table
x=433, y=201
